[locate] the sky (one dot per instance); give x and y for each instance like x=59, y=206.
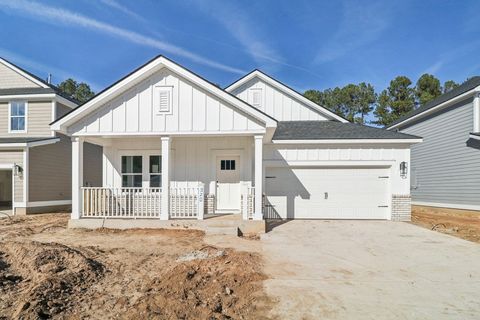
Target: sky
x=305, y=44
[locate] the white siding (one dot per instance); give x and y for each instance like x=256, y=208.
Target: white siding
x=277, y=103
x=193, y=159
x=357, y=155
x=193, y=110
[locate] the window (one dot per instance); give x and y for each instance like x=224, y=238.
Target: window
x=132, y=171
x=227, y=164
x=256, y=98
x=163, y=96
x=155, y=171
x=18, y=116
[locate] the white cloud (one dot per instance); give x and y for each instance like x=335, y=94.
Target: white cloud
x=361, y=24
x=118, y=6
x=66, y=17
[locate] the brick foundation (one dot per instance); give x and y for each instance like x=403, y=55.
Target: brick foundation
x=401, y=207
x=209, y=204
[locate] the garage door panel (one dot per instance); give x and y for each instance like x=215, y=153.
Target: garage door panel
x=327, y=193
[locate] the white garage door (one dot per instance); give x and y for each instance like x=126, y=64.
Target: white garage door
x=327, y=193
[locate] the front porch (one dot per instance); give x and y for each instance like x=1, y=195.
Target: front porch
x=170, y=178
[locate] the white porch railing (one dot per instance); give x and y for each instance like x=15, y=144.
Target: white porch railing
x=121, y=202
x=133, y=203
x=186, y=202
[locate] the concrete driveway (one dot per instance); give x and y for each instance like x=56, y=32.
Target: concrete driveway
x=370, y=270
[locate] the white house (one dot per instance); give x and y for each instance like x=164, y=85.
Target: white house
x=177, y=146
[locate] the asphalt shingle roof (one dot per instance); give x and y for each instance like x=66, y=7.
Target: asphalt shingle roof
x=322, y=130
x=15, y=91
x=464, y=87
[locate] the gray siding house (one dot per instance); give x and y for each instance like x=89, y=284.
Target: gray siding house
x=445, y=167
x=35, y=162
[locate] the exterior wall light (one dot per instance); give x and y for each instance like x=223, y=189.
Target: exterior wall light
x=403, y=169
x=17, y=170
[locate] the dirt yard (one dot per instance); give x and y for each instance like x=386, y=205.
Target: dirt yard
x=49, y=271
x=460, y=223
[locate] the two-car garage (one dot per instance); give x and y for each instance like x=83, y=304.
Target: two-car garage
x=327, y=192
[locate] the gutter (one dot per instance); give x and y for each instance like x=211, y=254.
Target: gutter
x=437, y=107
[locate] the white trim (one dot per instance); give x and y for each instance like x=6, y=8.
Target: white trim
x=171, y=134
x=36, y=204
x=436, y=108
x=77, y=177
x=446, y=205
x=40, y=96
x=266, y=78
x=476, y=112
x=144, y=73
x=165, y=146
x=24, y=74
x=29, y=144
x=347, y=141
x=54, y=115
x=25, y=173
x=25, y=130
x=472, y=136
x=259, y=177
x=7, y=166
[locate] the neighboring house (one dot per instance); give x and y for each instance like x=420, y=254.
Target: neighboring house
x=445, y=168
x=35, y=162
x=177, y=146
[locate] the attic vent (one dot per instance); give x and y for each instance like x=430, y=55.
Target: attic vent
x=256, y=97
x=164, y=99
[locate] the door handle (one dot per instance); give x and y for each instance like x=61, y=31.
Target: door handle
x=326, y=195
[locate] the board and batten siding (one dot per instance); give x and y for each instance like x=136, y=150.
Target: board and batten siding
x=9, y=78
x=192, y=110
x=276, y=103
x=39, y=116
x=192, y=159
x=305, y=155
x=10, y=158
x=446, y=165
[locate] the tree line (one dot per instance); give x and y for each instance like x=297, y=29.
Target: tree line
x=355, y=101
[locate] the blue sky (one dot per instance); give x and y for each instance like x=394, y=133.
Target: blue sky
x=306, y=44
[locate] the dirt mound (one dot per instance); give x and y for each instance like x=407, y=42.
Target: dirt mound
x=218, y=285
x=41, y=280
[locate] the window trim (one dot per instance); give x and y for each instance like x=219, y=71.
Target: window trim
x=25, y=130
x=145, y=154
x=156, y=92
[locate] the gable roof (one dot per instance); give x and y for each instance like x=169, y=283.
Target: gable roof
x=464, y=88
x=143, y=72
x=45, y=87
x=334, y=130
x=256, y=73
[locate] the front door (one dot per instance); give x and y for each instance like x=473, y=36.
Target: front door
x=228, y=184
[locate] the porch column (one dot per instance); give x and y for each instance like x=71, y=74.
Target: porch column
x=165, y=207
x=77, y=177
x=258, y=214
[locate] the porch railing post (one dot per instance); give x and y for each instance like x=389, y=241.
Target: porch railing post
x=200, y=201
x=165, y=199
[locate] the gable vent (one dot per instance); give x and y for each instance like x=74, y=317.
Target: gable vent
x=164, y=102
x=256, y=97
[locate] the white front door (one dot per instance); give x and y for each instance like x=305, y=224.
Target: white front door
x=228, y=183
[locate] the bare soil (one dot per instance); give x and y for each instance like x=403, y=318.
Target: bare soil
x=460, y=223
x=49, y=271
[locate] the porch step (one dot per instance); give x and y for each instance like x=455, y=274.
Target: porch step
x=227, y=230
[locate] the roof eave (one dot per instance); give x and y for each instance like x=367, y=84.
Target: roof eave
x=438, y=107
x=348, y=141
